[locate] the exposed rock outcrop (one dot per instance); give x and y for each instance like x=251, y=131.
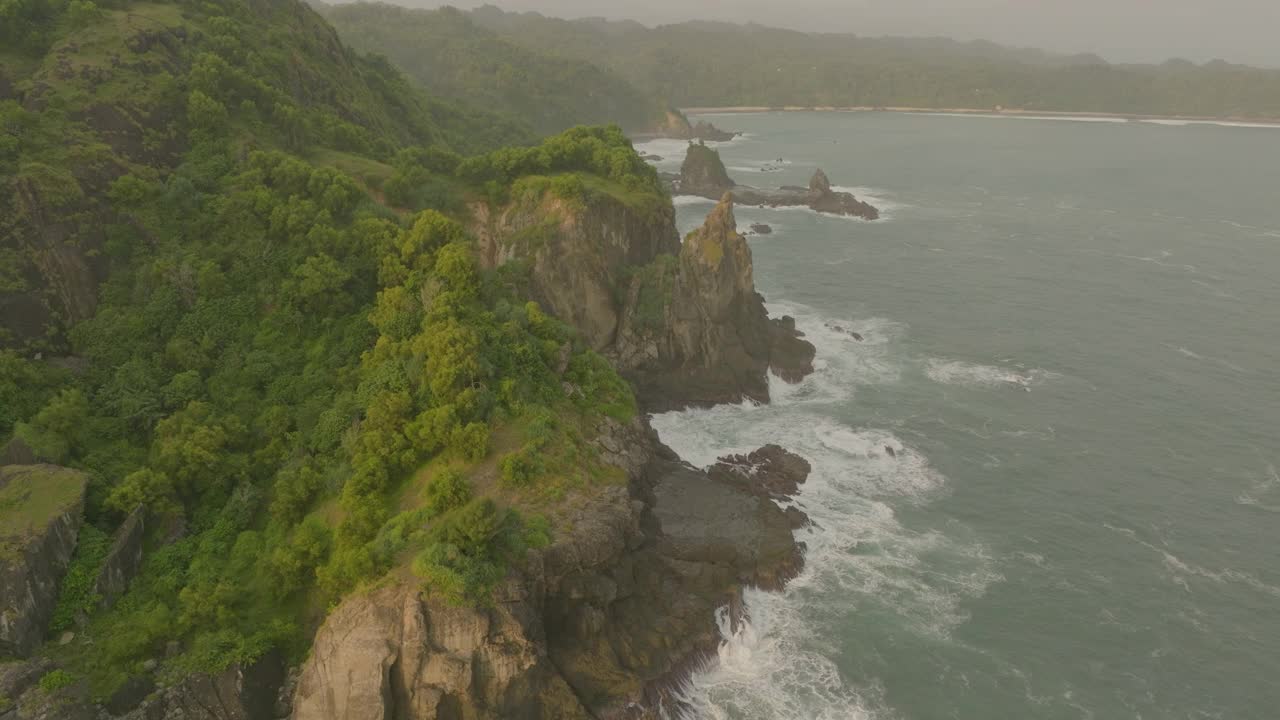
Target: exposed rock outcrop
x=703, y=173
x=123, y=559
x=596, y=626
x=715, y=342
x=683, y=321
x=41, y=508
x=677, y=126
x=761, y=229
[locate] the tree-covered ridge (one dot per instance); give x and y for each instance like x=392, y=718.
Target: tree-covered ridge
x=452, y=57
x=719, y=64
x=291, y=359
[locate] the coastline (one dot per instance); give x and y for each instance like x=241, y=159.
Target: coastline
x=987, y=112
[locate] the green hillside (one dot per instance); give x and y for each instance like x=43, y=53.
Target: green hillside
x=452, y=57
x=236, y=290
x=718, y=64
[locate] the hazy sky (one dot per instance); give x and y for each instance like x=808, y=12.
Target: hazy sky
x=1243, y=31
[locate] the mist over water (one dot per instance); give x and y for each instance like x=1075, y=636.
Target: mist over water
x=1070, y=339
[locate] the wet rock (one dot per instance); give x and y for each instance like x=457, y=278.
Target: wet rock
x=770, y=471
x=761, y=229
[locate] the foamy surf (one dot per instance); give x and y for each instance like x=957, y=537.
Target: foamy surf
x=956, y=372
x=860, y=557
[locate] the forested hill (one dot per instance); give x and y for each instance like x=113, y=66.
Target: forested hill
x=237, y=294
x=453, y=57
x=716, y=64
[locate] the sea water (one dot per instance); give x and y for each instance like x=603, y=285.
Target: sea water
x=1071, y=341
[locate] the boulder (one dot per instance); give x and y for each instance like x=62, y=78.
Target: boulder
x=770, y=471
x=761, y=229
x=41, y=509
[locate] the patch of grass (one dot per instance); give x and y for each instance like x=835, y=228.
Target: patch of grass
x=55, y=680
x=31, y=497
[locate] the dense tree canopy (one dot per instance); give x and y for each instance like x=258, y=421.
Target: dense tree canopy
x=449, y=55
x=715, y=64
x=292, y=361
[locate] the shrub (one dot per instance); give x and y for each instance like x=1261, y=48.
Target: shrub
x=55, y=680
x=446, y=491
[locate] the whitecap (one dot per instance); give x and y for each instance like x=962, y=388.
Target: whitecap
x=683, y=200
x=880, y=199
x=777, y=664
x=958, y=372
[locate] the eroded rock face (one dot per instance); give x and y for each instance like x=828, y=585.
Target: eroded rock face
x=123, y=559
x=677, y=126
x=716, y=342
x=703, y=172
x=682, y=321
x=596, y=626
x=41, y=509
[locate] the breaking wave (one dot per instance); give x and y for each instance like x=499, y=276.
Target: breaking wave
x=860, y=557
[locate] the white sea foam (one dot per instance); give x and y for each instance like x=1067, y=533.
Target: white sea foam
x=680, y=200
x=1219, y=123
x=778, y=664
x=957, y=372
x=882, y=200
x=1016, y=116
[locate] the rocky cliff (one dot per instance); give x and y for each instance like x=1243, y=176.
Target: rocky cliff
x=599, y=625
x=681, y=320
x=712, y=340
x=41, y=510
x=703, y=173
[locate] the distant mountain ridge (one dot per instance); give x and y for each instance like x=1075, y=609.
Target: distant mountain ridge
x=703, y=64
x=451, y=56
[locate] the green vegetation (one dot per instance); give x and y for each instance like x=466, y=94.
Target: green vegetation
x=55, y=680
x=76, y=596
x=31, y=498
x=715, y=64
x=451, y=56
x=285, y=350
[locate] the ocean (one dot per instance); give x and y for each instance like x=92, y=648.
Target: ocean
x=1071, y=339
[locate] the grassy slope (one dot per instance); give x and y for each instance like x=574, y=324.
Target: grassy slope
x=31, y=497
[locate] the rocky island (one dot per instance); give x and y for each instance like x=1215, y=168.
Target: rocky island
x=703, y=173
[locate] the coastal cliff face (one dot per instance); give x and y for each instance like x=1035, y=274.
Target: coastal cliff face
x=681, y=320
x=598, y=625
x=41, y=509
x=714, y=341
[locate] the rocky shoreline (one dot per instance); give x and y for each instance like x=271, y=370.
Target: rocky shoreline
x=703, y=173
x=613, y=617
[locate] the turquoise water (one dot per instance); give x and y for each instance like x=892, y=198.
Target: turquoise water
x=1072, y=339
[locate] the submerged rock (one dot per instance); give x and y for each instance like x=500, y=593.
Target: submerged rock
x=41, y=509
x=761, y=229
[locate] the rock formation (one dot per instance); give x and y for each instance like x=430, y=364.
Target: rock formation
x=678, y=127
x=683, y=321
x=703, y=173
x=598, y=625
x=761, y=229
x=715, y=342
x=41, y=510
x=123, y=560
